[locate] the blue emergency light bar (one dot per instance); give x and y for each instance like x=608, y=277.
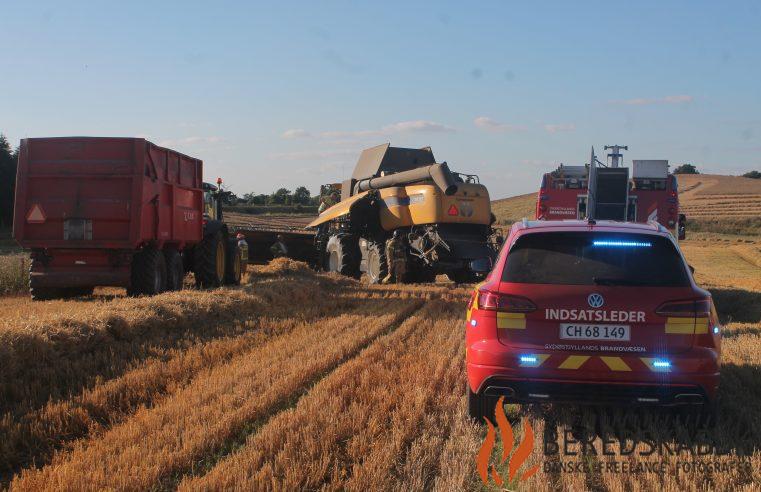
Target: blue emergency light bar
x=622, y=244
x=528, y=359
x=661, y=363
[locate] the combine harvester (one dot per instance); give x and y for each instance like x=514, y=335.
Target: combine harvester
x=445, y=218
x=606, y=192
x=119, y=212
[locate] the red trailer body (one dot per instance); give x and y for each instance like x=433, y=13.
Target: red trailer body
x=85, y=205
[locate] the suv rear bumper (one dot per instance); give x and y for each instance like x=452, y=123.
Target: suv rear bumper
x=602, y=378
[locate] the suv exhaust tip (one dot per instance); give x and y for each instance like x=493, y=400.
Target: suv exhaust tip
x=689, y=398
x=500, y=391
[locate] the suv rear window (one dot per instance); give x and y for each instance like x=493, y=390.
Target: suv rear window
x=581, y=258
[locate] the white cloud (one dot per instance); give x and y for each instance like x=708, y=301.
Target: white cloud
x=412, y=126
x=417, y=126
x=312, y=154
x=557, y=128
x=191, y=141
x=351, y=134
x=490, y=125
x=647, y=101
x=295, y=133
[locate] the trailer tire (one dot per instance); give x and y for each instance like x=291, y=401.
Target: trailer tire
x=233, y=268
x=209, y=261
x=343, y=255
x=148, y=273
x=175, y=270
x=44, y=293
x=377, y=266
x=480, y=406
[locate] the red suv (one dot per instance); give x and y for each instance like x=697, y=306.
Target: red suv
x=585, y=312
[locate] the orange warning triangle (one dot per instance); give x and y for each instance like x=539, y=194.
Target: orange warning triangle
x=35, y=215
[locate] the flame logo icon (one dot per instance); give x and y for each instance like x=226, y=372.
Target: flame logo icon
x=522, y=452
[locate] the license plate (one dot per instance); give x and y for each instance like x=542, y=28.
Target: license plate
x=580, y=331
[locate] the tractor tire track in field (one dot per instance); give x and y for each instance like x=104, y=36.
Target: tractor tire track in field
x=214, y=407
x=32, y=436
x=345, y=434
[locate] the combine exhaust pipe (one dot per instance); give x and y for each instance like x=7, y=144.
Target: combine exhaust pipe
x=439, y=173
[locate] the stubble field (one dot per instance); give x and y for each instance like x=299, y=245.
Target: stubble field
x=298, y=380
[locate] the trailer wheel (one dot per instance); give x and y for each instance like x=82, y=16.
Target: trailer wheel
x=175, y=270
x=209, y=261
x=377, y=266
x=148, y=272
x=233, y=268
x=343, y=255
x=480, y=406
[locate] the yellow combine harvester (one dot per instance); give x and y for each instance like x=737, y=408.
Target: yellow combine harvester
x=445, y=219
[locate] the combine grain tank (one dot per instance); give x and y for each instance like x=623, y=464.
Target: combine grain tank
x=445, y=217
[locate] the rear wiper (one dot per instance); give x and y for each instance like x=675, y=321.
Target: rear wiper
x=617, y=281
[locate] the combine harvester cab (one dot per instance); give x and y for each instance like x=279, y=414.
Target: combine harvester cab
x=117, y=212
x=607, y=192
x=445, y=219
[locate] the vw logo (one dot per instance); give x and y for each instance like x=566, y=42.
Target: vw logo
x=595, y=300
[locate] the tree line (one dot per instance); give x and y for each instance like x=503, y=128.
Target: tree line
x=8, y=160
x=282, y=196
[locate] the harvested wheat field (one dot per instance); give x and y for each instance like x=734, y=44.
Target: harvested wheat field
x=716, y=196
x=306, y=381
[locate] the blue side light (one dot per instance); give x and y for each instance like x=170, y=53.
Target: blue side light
x=715, y=330
x=622, y=244
x=528, y=359
x=662, y=364
x=473, y=322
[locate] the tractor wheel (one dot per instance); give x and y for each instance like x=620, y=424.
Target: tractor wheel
x=480, y=406
x=209, y=261
x=377, y=266
x=233, y=269
x=148, y=272
x=175, y=270
x=343, y=255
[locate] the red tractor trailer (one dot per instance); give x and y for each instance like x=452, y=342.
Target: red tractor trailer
x=118, y=212
x=607, y=192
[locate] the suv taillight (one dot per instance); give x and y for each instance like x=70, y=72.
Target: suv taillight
x=695, y=308
x=492, y=301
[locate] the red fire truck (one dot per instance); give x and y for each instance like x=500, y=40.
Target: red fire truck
x=605, y=191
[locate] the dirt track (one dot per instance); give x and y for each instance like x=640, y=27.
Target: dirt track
x=303, y=381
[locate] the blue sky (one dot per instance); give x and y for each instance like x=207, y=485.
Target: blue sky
x=288, y=93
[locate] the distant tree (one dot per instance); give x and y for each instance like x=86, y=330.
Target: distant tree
x=8, y=161
x=301, y=195
x=249, y=198
x=280, y=197
x=752, y=175
x=686, y=169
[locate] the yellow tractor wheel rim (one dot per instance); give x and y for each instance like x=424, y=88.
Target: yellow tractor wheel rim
x=220, y=260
